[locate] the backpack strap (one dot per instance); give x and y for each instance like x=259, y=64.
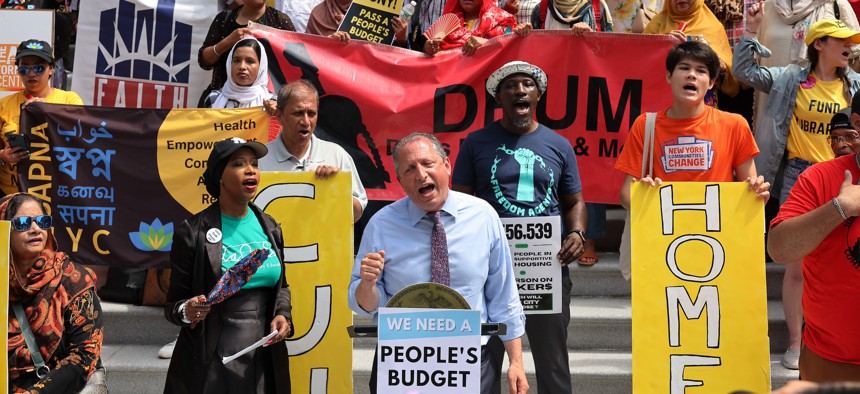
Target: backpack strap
x=648, y=145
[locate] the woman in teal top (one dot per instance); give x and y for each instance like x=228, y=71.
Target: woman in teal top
x=204, y=247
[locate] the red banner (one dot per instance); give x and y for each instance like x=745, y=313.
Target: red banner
x=371, y=95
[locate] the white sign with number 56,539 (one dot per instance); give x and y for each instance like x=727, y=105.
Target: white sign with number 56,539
x=534, y=243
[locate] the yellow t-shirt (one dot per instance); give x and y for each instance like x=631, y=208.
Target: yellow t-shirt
x=10, y=115
x=810, y=123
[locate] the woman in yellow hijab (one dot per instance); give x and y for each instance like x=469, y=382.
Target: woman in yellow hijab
x=683, y=18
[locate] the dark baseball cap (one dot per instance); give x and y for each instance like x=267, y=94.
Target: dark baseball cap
x=40, y=49
x=841, y=120
x=855, y=103
x=218, y=160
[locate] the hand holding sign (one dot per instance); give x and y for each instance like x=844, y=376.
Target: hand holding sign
x=760, y=187
x=571, y=248
x=399, y=25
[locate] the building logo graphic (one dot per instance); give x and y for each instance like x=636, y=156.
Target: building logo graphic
x=143, y=57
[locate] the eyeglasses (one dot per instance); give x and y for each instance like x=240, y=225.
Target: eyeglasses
x=38, y=69
x=23, y=223
x=848, y=138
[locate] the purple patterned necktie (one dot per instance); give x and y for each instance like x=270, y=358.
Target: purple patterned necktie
x=439, y=272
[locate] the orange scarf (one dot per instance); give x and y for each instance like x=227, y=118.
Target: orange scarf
x=44, y=299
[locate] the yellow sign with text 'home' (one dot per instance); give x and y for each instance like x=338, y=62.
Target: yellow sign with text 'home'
x=698, y=289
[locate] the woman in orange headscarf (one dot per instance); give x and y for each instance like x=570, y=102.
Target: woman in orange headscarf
x=480, y=20
x=55, y=333
x=683, y=18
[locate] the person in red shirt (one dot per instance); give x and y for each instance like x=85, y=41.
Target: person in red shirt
x=816, y=224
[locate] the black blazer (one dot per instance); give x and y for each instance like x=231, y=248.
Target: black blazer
x=195, y=268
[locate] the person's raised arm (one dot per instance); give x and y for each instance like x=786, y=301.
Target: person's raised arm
x=212, y=50
x=744, y=66
x=366, y=294
x=753, y=17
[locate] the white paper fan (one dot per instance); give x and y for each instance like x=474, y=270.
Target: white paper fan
x=443, y=26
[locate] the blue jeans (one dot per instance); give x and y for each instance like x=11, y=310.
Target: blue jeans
x=596, y=227
x=793, y=169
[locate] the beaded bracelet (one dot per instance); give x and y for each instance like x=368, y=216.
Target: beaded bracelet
x=184, y=315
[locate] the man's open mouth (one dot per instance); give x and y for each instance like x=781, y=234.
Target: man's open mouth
x=522, y=106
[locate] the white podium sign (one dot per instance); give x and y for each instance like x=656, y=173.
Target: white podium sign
x=429, y=351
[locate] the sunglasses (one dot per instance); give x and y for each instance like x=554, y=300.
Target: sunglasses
x=38, y=69
x=23, y=223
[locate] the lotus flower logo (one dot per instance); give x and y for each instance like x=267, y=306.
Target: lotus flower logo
x=153, y=237
x=35, y=45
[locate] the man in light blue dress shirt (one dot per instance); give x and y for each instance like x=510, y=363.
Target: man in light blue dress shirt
x=395, y=251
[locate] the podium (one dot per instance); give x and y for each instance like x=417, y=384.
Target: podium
x=429, y=341
x=425, y=295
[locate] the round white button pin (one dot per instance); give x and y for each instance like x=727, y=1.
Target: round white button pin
x=213, y=235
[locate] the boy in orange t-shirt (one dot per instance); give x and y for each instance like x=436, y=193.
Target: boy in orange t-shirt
x=692, y=142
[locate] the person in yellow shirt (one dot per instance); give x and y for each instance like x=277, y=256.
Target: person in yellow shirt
x=35, y=61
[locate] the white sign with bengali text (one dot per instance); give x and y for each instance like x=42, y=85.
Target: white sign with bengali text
x=534, y=243
x=429, y=351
